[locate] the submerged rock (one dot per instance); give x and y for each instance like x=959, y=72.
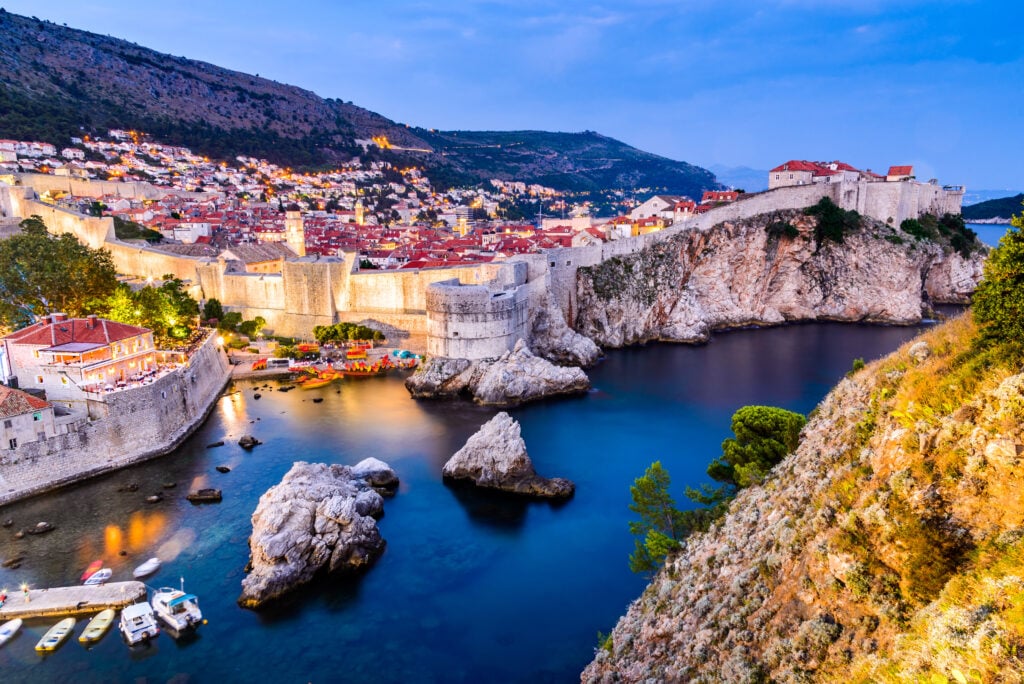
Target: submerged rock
x=516, y=377
x=208, y=495
x=248, y=442
x=496, y=457
x=318, y=518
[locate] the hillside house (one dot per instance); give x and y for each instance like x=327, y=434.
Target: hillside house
x=659, y=205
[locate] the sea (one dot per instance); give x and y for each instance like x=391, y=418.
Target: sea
x=989, y=233
x=473, y=586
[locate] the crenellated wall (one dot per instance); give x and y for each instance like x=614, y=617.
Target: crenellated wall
x=474, y=321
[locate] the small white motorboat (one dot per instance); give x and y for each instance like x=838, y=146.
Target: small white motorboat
x=147, y=568
x=98, y=626
x=98, y=577
x=176, y=608
x=9, y=629
x=138, y=623
x=56, y=635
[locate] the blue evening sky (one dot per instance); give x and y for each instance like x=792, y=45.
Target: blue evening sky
x=933, y=83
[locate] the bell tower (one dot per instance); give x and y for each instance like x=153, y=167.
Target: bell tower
x=294, y=231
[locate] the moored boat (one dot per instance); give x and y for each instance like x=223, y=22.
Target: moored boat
x=180, y=611
x=98, y=626
x=93, y=568
x=138, y=623
x=317, y=382
x=9, y=629
x=147, y=568
x=99, y=577
x=56, y=635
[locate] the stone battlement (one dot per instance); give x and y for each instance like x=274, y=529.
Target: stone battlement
x=474, y=321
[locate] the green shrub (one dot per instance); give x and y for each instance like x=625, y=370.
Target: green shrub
x=833, y=222
x=998, y=301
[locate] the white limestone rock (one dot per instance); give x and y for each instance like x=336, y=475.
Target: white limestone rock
x=735, y=274
x=495, y=457
x=513, y=378
x=555, y=341
x=318, y=518
x=376, y=473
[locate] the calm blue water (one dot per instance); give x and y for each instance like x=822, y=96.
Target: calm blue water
x=989, y=232
x=472, y=587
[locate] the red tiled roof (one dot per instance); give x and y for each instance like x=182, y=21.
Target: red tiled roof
x=47, y=333
x=15, y=402
x=797, y=165
x=901, y=171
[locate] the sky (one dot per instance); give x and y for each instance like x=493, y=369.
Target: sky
x=933, y=83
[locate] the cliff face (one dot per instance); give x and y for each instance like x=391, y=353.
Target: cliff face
x=888, y=547
x=737, y=274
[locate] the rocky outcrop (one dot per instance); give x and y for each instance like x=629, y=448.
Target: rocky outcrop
x=886, y=548
x=318, y=518
x=552, y=339
x=495, y=457
x=516, y=377
x=738, y=274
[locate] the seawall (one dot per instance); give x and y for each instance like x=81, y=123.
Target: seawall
x=141, y=423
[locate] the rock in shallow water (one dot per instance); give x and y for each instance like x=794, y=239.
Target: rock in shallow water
x=496, y=457
x=319, y=517
x=516, y=377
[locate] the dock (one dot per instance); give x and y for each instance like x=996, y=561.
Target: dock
x=70, y=601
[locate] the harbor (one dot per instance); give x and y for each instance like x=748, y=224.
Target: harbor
x=71, y=601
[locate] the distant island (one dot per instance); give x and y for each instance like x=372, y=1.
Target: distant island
x=93, y=83
x=994, y=211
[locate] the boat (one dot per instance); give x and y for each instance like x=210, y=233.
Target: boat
x=56, y=635
x=138, y=623
x=180, y=611
x=93, y=568
x=147, y=568
x=9, y=629
x=98, y=577
x=98, y=626
x=317, y=382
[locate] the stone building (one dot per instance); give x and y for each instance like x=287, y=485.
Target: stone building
x=26, y=419
x=71, y=358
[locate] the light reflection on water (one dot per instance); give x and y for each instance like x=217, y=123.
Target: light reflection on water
x=472, y=587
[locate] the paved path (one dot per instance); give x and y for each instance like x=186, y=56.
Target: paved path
x=65, y=601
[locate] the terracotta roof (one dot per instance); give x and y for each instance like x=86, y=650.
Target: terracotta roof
x=901, y=171
x=49, y=334
x=15, y=402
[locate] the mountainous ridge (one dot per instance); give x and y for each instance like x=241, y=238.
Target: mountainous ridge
x=1001, y=208
x=54, y=80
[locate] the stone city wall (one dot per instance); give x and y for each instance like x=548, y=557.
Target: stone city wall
x=84, y=187
x=474, y=321
x=140, y=423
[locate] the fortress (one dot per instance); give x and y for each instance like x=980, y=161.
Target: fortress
x=474, y=311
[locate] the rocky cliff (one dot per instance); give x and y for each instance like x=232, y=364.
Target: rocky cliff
x=743, y=273
x=889, y=547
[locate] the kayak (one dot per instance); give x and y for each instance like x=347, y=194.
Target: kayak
x=56, y=635
x=98, y=626
x=92, y=569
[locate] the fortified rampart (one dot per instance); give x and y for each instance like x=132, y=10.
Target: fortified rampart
x=137, y=424
x=476, y=321
x=320, y=291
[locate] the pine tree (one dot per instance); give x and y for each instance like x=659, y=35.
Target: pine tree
x=660, y=526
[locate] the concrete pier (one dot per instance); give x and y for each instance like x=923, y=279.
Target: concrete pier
x=65, y=601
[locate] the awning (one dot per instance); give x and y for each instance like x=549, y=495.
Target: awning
x=181, y=599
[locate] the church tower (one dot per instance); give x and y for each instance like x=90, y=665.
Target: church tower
x=360, y=213
x=294, y=231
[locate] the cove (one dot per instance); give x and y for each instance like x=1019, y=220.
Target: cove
x=473, y=587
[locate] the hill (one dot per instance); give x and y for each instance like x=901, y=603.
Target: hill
x=886, y=548
x=56, y=82
x=1002, y=208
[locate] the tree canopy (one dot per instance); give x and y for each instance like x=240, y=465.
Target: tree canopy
x=660, y=526
x=763, y=437
x=42, y=273
x=998, y=302
x=168, y=310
